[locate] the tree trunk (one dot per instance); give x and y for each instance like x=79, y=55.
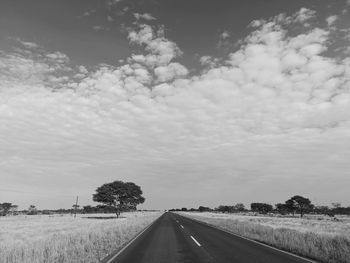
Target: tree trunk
x=117, y=210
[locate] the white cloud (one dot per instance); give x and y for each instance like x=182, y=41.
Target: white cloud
x=276, y=110
x=225, y=35
x=161, y=50
x=27, y=44
x=58, y=57
x=170, y=72
x=304, y=15
x=331, y=20
x=145, y=16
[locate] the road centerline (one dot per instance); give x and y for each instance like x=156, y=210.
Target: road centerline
x=195, y=241
x=182, y=226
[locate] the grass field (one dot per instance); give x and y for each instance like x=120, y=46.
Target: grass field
x=55, y=238
x=318, y=238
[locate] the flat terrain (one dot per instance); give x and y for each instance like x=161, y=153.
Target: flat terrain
x=63, y=238
x=314, y=236
x=310, y=223
x=174, y=238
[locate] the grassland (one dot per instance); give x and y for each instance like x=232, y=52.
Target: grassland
x=55, y=238
x=318, y=238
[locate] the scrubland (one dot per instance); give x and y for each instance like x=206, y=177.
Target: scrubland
x=315, y=237
x=63, y=238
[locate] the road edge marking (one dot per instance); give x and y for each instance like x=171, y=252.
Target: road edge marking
x=131, y=241
x=195, y=241
x=252, y=240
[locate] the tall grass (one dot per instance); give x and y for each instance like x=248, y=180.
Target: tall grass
x=324, y=247
x=63, y=239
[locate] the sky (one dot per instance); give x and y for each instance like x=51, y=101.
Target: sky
x=199, y=102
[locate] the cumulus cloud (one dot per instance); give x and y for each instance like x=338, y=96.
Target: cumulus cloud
x=28, y=44
x=268, y=112
x=331, y=20
x=169, y=72
x=145, y=16
x=160, y=50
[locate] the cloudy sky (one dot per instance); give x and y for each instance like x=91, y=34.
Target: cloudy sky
x=199, y=102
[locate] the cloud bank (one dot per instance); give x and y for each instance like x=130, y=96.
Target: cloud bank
x=274, y=111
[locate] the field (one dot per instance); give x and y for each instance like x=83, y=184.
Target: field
x=63, y=238
x=316, y=237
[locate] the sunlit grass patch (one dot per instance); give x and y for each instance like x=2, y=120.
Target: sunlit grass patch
x=35, y=239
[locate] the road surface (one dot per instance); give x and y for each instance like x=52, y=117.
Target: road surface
x=174, y=238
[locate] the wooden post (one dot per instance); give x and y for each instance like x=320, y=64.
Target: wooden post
x=75, y=208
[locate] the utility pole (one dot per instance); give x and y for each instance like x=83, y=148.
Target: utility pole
x=76, y=207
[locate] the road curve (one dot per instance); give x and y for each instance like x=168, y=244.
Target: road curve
x=177, y=239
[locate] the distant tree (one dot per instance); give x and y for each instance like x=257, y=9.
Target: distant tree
x=184, y=209
x=5, y=208
x=32, y=210
x=324, y=210
x=239, y=207
x=301, y=204
x=14, y=210
x=336, y=205
x=88, y=209
x=203, y=209
x=223, y=208
x=281, y=208
x=261, y=208
x=46, y=212
x=119, y=195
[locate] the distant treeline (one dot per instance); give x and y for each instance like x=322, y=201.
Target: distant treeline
x=295, y=205
x=10, y=209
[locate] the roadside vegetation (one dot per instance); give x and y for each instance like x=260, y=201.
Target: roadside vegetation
x=317, y=232
x=75, y=234
x=63, y=238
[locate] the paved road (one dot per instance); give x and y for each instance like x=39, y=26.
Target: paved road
x=174, y=238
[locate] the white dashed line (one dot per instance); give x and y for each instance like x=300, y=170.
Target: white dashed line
x=182, y=226
x=195, y=241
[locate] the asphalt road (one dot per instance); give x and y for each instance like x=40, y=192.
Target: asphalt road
x=174, y=238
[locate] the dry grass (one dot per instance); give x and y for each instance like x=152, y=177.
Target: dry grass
x=43, y=238
x=316, y=238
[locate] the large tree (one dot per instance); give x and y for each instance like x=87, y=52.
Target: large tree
x=119, y=195
x=300, y=204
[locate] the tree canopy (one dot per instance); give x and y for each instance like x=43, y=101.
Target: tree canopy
x=300, y=204
x=261, y=208
x=5, y=208
x=119, y=195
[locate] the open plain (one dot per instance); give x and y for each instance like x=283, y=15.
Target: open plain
x=316, y=237
x=63, y=238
